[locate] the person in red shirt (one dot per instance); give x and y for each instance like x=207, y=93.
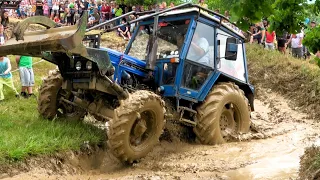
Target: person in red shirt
x=105, y=11
x=270, y=38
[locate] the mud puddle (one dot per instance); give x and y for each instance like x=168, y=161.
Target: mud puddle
x=271, y=151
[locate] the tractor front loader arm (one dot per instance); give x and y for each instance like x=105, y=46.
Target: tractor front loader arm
x=54, y=40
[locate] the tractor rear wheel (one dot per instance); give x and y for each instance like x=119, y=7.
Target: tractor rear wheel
x=137, y=125
x=222, y=115
x=49, y=96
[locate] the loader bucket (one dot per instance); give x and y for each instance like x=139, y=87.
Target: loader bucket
x=62, y=39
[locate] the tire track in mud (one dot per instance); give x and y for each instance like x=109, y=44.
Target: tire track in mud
x=270, y=151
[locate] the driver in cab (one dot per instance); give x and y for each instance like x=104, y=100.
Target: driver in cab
x=199, y=52
x=199, y=49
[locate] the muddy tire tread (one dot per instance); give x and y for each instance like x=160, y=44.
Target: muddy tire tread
x=118, y=124
x=48, y=95
x=207, y=116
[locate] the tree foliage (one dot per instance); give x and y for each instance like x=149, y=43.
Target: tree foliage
x=288, y=15
x=247, y=12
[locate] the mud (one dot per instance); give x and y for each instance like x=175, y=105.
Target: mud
x=271, y=150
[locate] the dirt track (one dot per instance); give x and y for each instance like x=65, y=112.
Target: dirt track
x=276, y=143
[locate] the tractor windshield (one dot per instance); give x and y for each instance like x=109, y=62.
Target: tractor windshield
x=170, y=39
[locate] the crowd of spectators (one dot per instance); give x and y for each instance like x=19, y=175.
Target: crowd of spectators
x=284, y=42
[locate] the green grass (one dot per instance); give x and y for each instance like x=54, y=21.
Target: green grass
x=24, y=133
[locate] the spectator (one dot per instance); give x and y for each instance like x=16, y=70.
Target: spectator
x=56, y=19
x=6, y=77
x=281, y=42
x=94, y=19
x=113, y=9
x=33, y=9
x=164, y=5
x=55, y=8
x=259, y=35
x=270, y=38
x=296, y=45
x=45, y=9
x=202, y=4
x=227, y=14
x=105, y=11
x=123, y=7
x=91, y=6
x=171, y=5
x=39, y=8
x=124, y=30
x=69, y=17
x=26, y=75
x=118, y=12
x=2, y=39
x=5, y=23
x=132, y=25
x=86, y=5
x=72, y=12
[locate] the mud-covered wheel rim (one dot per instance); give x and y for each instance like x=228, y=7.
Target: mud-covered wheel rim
x=65, y=110
x=143, y=130
x=229, y=120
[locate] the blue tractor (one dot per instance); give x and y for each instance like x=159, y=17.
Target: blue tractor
x=186, y=64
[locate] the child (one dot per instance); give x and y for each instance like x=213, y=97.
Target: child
x=56, y=19
x=26, y=75
x=46, y=9
x=91, y=20
x=6, y=77
x=124, y=30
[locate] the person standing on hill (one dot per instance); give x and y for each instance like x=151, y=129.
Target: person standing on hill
x=26, y=75
x=270, y=39
x=296, y=45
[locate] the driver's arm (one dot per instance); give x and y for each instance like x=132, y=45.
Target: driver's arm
x=198, y=49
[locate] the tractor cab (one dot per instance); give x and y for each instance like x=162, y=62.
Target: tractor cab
x=194, y=51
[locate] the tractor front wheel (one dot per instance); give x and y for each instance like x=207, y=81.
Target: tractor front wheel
x=49, y=105
x=136, y=127
x=222, y=115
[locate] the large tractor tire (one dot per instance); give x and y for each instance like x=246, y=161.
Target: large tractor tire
x=137, y=125
x=223, y=114
x=48, y=101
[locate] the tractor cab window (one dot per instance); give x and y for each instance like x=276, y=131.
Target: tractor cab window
x=199, y=63
x=201, y=49
x=170, y=39
x=234, y=68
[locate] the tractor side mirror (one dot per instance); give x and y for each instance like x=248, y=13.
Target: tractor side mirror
x=231, y=49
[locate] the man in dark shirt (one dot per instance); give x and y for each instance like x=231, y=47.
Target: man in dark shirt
x=123, y=7
x=86, y=4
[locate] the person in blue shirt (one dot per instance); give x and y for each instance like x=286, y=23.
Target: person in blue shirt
x=6, y=77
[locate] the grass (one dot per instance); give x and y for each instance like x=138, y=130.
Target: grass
x=296, y=79
x=24, y=133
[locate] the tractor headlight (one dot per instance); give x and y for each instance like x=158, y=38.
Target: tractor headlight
x=89, y=65
x=78, y=65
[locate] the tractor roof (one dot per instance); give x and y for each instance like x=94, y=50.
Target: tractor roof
x=232, y=27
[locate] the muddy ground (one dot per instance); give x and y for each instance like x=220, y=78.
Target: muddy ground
x=271, y=151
